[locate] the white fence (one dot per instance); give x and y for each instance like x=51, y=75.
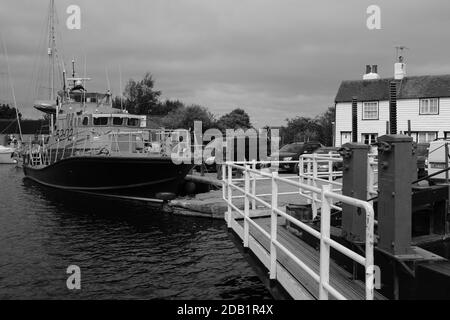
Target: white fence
x=323, y=196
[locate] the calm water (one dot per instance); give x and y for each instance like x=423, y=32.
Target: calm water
x=125, y=250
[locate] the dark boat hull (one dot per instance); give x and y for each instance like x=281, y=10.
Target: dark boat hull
x=130, y=176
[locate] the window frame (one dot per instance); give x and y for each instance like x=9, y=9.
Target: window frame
x=429, y=114
x=117, y=125
x=100, y=125
x=370, y=136
x=83, y=122
x=415, y=135
x=134, y=119
x=378, y=111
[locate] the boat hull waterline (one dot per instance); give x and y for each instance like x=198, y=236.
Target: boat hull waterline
x=129, y=176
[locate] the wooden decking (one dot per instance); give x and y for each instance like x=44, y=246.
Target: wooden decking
x=297, y=282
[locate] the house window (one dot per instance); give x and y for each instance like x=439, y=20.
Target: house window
x=429, y=106
x=424, y=137
x=369, y=138
x=85, y=121
x=370, y=110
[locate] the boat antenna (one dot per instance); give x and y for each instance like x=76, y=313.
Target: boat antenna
x=121, y=91
x=108, y=82
x=12, y=88
x=73, y=71
x=84, y=80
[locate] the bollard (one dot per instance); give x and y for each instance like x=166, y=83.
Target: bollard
x=395, y=164
x=354, y=184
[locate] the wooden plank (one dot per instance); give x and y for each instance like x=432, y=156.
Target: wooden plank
x=289, y=283
x=339, y=278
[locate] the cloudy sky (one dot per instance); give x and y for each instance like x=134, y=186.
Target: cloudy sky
x=277, y=59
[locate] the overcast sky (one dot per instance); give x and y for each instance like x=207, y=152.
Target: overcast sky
x=277, y=59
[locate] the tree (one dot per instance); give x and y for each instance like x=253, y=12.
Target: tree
x=166, y=107
x=140, y=97
x=302, y=129
x=236, y=119
x=184, y=118
x=326, y=123
x=6, y=112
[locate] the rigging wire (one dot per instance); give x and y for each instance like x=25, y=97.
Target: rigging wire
x=12, y=86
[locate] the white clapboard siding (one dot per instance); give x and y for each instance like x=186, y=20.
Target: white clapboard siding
x=343, y=120
x=373, y=126
x=409, y=110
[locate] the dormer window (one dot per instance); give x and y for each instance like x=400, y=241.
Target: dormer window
x=429, y=106
x=370, y=110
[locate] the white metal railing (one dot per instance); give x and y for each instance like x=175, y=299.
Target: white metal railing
x=372, y=176
x=319, y=169
x=109, y=143
x=327, y=197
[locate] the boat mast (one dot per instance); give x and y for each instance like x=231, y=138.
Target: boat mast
x=52, y=49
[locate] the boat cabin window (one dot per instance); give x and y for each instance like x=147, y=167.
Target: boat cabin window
x=133, y=122
x=118, y=121
x=85, y=121
x=101, y=121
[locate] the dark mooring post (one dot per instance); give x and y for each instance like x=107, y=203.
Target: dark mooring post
x=395, y=164
x=354, y=185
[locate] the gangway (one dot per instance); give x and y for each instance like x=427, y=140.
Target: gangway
x=303, y=271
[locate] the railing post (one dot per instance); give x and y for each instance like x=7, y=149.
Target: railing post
x=230, y=194
x=300, y=173
x=324, y=246
x=314, y=195
x=330, y=168
x=370, y=178
x=370, y=262
x=224, y=181
x=246, y=206
x=273, y=227
x=308, y=177
x=254, y=185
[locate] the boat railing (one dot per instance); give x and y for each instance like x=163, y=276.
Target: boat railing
x=121, y=143
x=326, y=199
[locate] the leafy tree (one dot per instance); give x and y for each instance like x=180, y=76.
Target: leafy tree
x=6, y=112
x=236, y=119
x=184, y=118
x=141, y=97
x=168, y=106
x=302, y=129
x=326, y=123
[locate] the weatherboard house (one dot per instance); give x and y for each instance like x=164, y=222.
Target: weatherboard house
x=372, y=107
